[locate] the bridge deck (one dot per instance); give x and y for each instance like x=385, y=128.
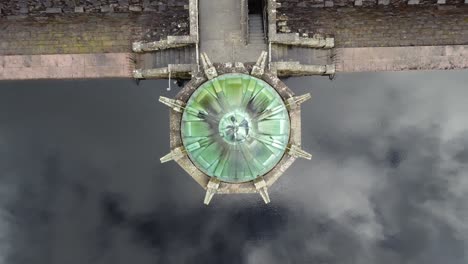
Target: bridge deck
x=220, y=32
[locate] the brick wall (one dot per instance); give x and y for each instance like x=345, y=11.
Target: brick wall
x=378, y=26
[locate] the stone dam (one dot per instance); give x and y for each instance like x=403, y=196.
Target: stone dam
x=144, y=39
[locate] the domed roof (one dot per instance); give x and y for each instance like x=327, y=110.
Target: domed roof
x=235, y=128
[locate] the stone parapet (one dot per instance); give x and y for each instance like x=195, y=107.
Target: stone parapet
x=176, y=71
x=295, y=40
x=374, y=59
x=294, y=68
x=40, y=7
x=170, y=42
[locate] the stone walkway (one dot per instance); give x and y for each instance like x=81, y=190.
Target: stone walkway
x=220, y=32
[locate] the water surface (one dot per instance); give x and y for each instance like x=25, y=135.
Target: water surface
x=81, y=182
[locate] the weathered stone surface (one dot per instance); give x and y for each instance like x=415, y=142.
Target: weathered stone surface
x=61, y=33
x=179, y=71
x=36, y=7
x=373, y=26
x=135, y=8
x=149, y=9
x=294, y=68
x=107, y=9
x=299, y=4
x=53, y=10
x=79, y=9
x=446, y=7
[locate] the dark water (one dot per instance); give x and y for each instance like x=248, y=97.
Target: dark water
x=81, y=182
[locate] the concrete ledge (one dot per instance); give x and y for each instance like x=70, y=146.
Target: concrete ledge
x=193, y=17
x=374, y=59
x=170, y=42
x=66, y=66
x=295, y=40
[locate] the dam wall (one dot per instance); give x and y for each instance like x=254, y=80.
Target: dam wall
x=93, y=38
x=82, y=39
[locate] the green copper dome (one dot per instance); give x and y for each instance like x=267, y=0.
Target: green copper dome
x=235, y=127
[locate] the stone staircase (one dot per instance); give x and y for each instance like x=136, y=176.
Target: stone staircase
x=162, y=58
x=177, y=63
x=256, y=32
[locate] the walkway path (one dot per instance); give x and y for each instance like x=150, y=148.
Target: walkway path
x=220, y=32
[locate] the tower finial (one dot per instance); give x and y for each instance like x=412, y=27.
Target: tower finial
x=259, y=68
x=175, y=105
x=297, y=152
x=208, y=68
x=211, y=189
x=261, y=187
x=175, y=154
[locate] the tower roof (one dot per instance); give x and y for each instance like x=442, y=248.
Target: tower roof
x=235, y=128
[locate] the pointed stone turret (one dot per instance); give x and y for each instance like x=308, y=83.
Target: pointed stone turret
x=175, y=105
x=259, y=68
x=211, y=189
x=295, y=101
x=261, y=187
x=208, y=68
x=175, y=155
x=297, y=152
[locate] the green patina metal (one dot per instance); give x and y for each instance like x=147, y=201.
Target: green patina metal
x=235, y=127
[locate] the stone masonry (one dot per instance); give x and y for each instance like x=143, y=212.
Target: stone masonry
x=364, y=3
x=378, y=26
x=93, y=38
x=38, y=7
x=98, y=31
